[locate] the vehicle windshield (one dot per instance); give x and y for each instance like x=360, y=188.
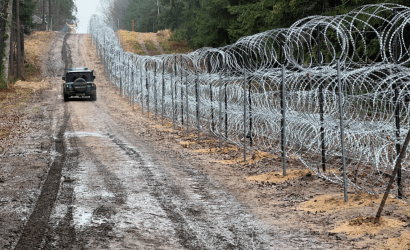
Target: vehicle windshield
x=71, y=77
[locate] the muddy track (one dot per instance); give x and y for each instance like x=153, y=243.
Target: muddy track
x=142, y=43
x=109, y=187
x=37, y=225
x=66, y=54
x=190, y=222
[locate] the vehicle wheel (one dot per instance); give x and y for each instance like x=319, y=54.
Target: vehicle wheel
x=65, y=96
x=94, y=96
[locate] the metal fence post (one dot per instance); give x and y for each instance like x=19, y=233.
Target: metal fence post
x=142, y=89
x=129, y=82
x=197, y=105
x=226, y=113
x=250, y=114
x=173, y=102
x=182, y=94
x=321, y=103
x=283, y=122
x=121, y=68
x=342, y=134
x=397, y=113
x=220, y=110
x=130, y=86
x=155, y=88
x=133, y=90
x=163, y=92
x=393, y=176
x=244, y=114
x=115, y=76
x=211, y=94
x=147, y=79
x=187, y=104
x=175, y=86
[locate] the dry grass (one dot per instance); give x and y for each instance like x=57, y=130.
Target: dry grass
x=149, y=44
x=14, y=98
x=180, y=47
x=129, y=41
x=35, y=46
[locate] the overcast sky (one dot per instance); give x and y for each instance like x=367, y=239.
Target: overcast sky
x=85, y=8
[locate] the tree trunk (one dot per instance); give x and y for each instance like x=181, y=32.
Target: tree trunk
x=18, y=35
x=12, y=51
x=44, y=15
x=6, y=58
x=49, y=15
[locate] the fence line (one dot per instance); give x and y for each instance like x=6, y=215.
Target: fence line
x=323, y=65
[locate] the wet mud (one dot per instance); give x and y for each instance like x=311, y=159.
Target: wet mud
x=108, y=186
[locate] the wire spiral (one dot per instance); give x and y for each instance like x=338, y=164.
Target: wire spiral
x=208, y=89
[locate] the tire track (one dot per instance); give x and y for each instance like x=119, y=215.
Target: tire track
x=37, y=225
x=66, y=54
x=142, y=43
x=195, y=224
x=156, y=43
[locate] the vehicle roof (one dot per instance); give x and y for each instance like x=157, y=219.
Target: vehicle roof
x=75, y=71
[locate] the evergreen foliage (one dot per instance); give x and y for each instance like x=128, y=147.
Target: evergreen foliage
x=214, y=23
x=63, y=11
x=27, y=8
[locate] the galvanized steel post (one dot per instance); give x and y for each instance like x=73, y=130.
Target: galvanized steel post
x=187, y=103
x=182, y=94
x=197, y=105
x=142, y=89
x=244, y=114
x=163, y=93
x=321, y=103
x=283, y=122
x=155, y=88
x=342, y=135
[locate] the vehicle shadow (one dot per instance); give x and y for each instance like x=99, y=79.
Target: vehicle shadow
x=79, y=99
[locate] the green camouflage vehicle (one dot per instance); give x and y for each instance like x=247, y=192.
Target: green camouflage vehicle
x=79, y=82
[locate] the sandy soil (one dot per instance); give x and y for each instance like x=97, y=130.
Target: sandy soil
x=98, y=175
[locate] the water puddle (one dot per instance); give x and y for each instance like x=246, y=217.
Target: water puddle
x=84, y=134
x=82, y=216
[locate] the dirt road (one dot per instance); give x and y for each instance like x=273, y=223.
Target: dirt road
x=101, y=181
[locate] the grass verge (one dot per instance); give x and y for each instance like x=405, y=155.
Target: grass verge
x=14, y=98
x=129, y=41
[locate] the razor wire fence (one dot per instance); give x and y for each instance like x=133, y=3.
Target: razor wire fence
x=316, y=90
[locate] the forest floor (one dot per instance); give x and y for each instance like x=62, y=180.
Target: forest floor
x=300, y=209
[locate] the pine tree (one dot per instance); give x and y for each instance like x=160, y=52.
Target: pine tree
x=6, y=58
